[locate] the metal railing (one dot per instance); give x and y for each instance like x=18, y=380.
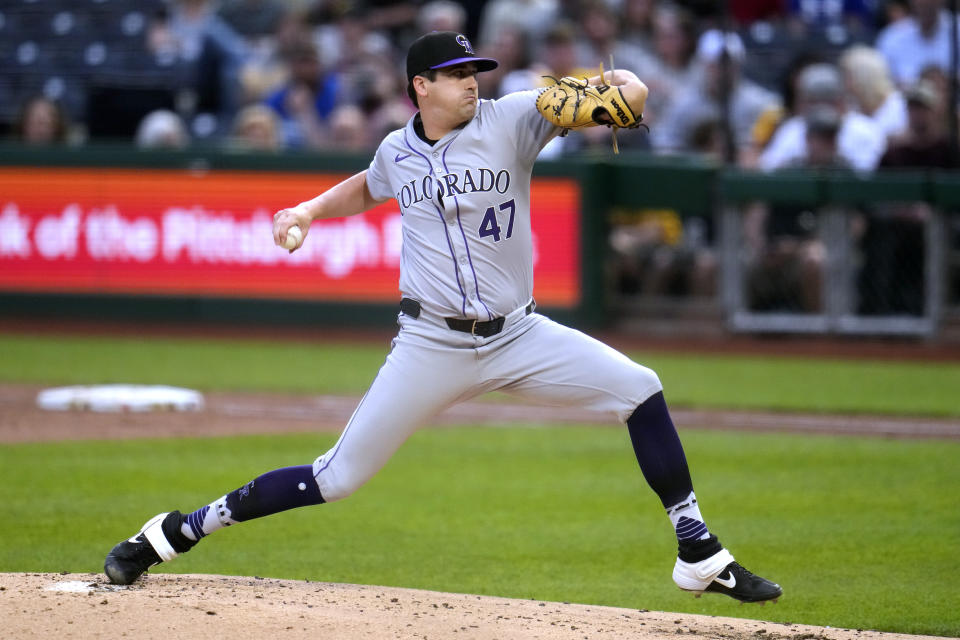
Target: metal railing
x=688, y=186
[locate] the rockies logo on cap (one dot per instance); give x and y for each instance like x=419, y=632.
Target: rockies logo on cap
x=462, y=39
x=440, y=49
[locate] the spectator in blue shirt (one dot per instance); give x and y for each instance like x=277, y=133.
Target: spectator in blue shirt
x=305, y=103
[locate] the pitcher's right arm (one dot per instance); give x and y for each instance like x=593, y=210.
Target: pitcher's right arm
x=350, y=197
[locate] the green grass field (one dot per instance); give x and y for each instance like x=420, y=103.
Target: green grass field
x=860, y=532
x=779, y=383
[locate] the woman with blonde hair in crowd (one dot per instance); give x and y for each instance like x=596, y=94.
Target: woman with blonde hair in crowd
x=868, y=82
x=256, y=128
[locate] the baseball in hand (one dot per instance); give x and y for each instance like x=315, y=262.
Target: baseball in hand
x=294, y=238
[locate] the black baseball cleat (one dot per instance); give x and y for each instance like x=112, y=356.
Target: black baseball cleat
x=738, y=583
x=159, y=540
x=720, y=573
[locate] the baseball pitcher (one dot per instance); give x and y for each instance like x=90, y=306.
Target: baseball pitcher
x=460, y=172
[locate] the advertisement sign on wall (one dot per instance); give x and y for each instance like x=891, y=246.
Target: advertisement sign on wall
x=208, y=233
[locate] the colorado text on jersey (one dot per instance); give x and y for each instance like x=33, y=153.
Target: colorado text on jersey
x=453, y=184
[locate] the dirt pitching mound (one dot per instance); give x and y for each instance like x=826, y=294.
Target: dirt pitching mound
x=164, y=606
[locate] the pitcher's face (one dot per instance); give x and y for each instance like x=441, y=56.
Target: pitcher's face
x=455, y=90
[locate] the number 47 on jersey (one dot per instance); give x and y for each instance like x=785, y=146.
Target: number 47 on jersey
x=490, y=226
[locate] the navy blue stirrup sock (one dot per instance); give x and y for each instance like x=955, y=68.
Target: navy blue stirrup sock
x=664, y=465
x=659, y=452
x=273, y=492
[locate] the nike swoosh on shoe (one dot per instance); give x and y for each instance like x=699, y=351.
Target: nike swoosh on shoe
x=729, y=582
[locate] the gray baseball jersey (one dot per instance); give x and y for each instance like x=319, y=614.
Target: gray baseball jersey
x=465, y=201
x=467, y=253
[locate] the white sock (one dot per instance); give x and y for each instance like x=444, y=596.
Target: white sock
x=687, y=521
x=207, y=519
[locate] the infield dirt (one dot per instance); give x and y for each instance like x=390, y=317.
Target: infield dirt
x=160, y=607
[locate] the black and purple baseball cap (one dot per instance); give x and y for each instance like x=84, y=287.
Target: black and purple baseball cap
x=439, y=49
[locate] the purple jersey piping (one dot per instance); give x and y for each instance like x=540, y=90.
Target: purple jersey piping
x=476, y=283
x=344, y=435
x=453, y=256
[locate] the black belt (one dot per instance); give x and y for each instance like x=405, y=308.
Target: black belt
x=484, y=329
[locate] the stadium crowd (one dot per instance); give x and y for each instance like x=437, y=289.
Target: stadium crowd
x=850, y=83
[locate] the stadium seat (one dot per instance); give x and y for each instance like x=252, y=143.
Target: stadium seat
x=31, y=56
x=70, y=91
x=770, y=48
x=100, y=56
x=27, y=23
x=8, y=26
x=9, y=103
x=63, y=23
